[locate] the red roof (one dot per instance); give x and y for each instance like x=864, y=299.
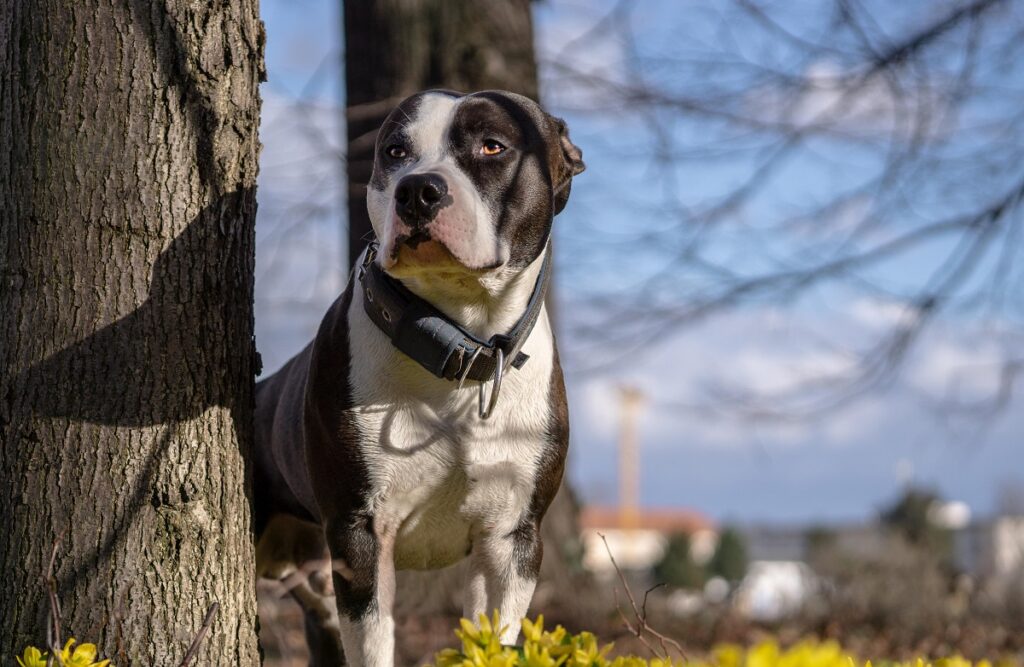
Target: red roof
x=662, y=520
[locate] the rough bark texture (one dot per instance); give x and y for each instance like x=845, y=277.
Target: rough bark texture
x=394, y=48
x=128, y=159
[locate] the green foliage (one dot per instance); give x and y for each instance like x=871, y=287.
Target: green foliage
x=730, y=558
x=910, y=517
x=677, y=567
x=909, y=514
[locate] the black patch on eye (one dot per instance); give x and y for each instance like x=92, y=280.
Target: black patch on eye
x=516, y=183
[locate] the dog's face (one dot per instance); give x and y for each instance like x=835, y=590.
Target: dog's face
x=468, y=182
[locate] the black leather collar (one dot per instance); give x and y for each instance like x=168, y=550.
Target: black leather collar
x=430, y=338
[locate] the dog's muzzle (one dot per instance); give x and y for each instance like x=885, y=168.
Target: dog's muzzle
x=419, y=197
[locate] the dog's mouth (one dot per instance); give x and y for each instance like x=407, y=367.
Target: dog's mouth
x=418, y=252
x=413, y=240
x=416, y=244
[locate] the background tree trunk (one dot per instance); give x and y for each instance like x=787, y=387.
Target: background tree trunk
x=128, y=160
x=394, y=48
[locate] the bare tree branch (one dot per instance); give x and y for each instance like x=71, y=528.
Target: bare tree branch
x=916, y=107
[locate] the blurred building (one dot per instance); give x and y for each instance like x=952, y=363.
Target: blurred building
x=991, y=549
x=638, y=540
x=775, y=589
x=636, y=536
x=774, y=543
x=779, y=580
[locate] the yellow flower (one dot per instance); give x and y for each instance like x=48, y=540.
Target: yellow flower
x=729, y=655
x=449, y=657
x=535, y=656
x=32, y=657
x=533, y=630
x=629, y=661
x=481, y=647
x=587, y=652
x=765, y=654
x=486, y=633
x=83, y=656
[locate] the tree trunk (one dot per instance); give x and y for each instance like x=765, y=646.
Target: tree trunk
x=128, y=159
x=394, y=48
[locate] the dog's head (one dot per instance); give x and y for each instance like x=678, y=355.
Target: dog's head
x=468, y=182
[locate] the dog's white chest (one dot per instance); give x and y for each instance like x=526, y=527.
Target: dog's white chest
x=440, y=475
x=438, y=472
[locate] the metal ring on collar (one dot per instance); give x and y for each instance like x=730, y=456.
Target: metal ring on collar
x=472, y=360
x=498, y=368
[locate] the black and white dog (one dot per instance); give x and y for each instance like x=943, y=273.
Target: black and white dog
x=426, y=422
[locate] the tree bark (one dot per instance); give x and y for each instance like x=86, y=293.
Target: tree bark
x=394, y=48
x=128, y=160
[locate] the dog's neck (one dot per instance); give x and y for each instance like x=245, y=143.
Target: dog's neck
x=484, y=304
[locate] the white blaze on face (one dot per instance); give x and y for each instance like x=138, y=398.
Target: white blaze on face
x=467, y=227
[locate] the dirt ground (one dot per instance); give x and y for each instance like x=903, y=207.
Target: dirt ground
x=418, y=638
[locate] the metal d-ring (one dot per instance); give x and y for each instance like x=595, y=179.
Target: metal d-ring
x=464, y=374
x=498, y=367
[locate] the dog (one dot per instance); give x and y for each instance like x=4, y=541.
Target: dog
x=426, y=423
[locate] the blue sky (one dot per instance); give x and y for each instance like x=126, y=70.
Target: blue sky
x=842, y=466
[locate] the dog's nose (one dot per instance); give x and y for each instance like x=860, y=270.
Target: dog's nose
x=419, y=197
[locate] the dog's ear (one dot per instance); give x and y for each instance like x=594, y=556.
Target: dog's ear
x=569, y=163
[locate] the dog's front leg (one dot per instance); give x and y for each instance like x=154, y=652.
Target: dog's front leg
x=504, y=566
x=362, y=555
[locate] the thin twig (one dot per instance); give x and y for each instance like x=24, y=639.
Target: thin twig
x=643, y=607
x=641, y=626
x=635, y=631
x=194, y=647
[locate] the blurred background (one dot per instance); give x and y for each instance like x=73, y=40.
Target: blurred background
x=788, y=298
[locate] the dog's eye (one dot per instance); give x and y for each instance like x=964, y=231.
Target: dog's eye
x=396, y=151
x=491, y=147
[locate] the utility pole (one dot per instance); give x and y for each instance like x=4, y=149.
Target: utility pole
x=631, y=401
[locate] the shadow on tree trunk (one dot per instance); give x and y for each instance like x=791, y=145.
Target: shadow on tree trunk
x=142, y=370
x=152, y=368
